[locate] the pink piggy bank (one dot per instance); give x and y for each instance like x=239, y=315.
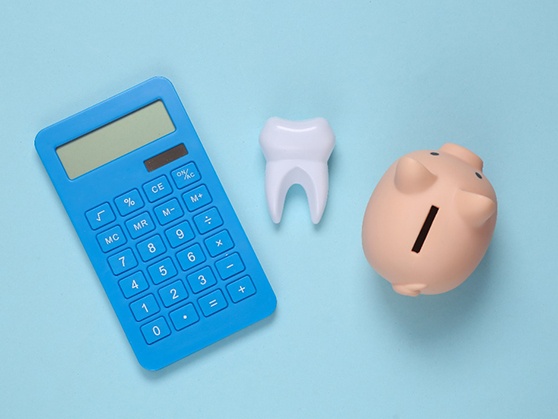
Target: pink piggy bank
x=430, y=220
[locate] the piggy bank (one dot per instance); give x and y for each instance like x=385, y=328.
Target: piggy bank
x=430, y=220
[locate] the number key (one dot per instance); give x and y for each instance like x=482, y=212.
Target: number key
x=151, y=248
x=190, y=257
x=173, y=293
x=162, y=271
x=179, y=234
x=201, y=280
x=144, y=307
x=122, y=262
x=155, y=330
x=133, y=285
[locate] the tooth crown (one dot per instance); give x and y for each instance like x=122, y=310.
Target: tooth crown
x=312, y=139
x=297, y=153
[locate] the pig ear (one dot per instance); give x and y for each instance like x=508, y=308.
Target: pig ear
x=475, y=209
x=412, y=176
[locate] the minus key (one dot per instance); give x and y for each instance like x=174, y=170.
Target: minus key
x=229, y=266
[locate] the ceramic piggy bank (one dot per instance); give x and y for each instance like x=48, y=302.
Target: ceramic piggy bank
x=430, y=220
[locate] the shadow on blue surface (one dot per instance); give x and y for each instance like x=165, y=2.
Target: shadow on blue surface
x=427, y=319
x=208, y=351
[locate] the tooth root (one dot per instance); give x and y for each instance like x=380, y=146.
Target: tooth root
x=297, y=153
x=274, y=182
x=280, y=177
x=316, y=192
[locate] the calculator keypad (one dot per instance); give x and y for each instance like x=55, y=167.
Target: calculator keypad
x=174, y=261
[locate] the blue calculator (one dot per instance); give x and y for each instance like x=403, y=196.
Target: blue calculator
x=156, y=223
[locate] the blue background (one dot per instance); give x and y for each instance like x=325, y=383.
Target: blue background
x=390, y=77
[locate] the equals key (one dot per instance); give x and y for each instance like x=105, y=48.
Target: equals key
x=212, y=303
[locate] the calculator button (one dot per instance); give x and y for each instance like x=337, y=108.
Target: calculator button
x=212, y=303
x=173, y=293
x=190, y=257
x=241, y=289
x=208, y=220
x=180, y=234
x=128, y=202
x=201, y=280
x=111, y=239
x=219, y=243
x=133, y=285
x=157, y=189
x=229, y=266
x=140, y=225
x=162, y=271
x=168, y=212
x=184, y=317
x=197, y=198
x=151, y=248
x=155, y=330
x=100, y=216
x=122, y=262
x=144, y=307
x=185, y=175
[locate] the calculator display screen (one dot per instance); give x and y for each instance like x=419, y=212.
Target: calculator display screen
x=116, y=139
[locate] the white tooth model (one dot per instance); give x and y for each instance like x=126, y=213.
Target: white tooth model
x=297, y=153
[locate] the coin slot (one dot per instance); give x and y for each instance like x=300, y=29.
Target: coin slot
x=425, y=229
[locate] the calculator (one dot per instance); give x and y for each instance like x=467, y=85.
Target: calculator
x=156, y=223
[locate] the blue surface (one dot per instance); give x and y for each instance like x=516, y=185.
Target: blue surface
x=390, y=77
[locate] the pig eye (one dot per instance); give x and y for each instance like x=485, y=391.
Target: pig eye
x=435, y=153
x=478, y=175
